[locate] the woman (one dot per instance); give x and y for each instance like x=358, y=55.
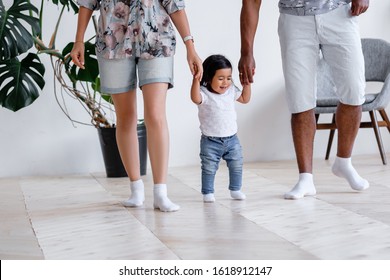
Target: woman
x=137, y=38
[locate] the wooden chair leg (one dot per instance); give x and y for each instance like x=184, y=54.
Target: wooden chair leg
x=385, y=118
x=374, y=122
x=330, y=140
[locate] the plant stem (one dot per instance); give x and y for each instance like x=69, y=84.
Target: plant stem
x=43, y=49
x=40, y=16
x=53, y=37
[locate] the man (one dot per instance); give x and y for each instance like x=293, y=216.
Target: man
x=306, y=28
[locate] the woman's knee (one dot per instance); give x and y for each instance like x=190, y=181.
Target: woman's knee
x=155, y=121
x=127, y=121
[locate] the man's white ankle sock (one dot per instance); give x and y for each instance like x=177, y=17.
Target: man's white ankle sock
x=237, y=195
x=137, y=196
x=161, y=200
x=304, y=187
x=208, y=197
x=343, y=168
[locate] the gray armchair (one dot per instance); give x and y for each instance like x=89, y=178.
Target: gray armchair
x=377, y=69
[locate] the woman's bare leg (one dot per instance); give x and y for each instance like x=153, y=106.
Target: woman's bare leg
x=127, y=140
x=158, y=142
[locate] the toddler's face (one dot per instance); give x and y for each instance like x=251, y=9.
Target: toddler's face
x=221, y=80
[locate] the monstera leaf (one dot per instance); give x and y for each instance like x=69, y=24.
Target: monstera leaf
x=15, y=39
x=20, y=81
x=67, y=3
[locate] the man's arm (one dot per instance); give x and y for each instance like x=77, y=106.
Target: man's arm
x=359, y=6
x=249, y=19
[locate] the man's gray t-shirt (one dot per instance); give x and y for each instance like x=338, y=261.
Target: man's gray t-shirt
x=309, y=7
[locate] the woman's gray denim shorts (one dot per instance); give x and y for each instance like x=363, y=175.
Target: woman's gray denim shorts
x=120, y=75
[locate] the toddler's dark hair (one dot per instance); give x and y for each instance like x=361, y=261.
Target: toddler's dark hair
x=211, y=65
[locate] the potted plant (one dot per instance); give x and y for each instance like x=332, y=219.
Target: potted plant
x=22, y=76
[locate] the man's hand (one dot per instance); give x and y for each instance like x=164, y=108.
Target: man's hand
x=246, y=68
x=359, y=6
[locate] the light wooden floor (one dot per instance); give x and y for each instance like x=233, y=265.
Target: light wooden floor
x=81, y=217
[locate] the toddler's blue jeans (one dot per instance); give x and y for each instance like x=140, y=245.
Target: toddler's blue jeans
x=212, y=149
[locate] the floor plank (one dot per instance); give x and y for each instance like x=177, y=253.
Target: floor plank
x=17, y=237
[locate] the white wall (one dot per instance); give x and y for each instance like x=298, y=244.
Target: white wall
x=40, y=140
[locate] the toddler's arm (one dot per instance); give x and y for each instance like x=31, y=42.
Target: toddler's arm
x=195, y=91
x=246, y=94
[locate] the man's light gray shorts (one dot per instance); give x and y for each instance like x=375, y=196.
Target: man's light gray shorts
x=336, y=34
x=120, y=75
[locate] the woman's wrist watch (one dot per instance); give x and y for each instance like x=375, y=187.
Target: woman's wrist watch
x=189, y=37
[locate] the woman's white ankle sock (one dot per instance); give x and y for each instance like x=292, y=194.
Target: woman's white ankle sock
x=137, y=196
x=161, y=200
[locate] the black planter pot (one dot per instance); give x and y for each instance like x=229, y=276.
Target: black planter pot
x=112, y=160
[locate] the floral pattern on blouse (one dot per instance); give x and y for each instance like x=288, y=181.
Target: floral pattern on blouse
x=139, y=28
x=309, y=7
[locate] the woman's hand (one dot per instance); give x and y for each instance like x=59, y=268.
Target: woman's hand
x=195, y=64
x=77, y=54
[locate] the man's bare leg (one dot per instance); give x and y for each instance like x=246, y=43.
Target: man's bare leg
x=348, y=121
x=303, y=127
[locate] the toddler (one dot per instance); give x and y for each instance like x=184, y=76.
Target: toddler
x=215, y=94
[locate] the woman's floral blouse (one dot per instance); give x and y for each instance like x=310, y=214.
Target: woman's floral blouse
x=139, y=28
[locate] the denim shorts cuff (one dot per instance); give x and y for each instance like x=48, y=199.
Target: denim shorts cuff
x=160, y=80
x=117, y=90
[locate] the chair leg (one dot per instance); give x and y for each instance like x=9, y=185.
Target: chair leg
x=385, y=118
x=330, y=140
x=374, y=122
